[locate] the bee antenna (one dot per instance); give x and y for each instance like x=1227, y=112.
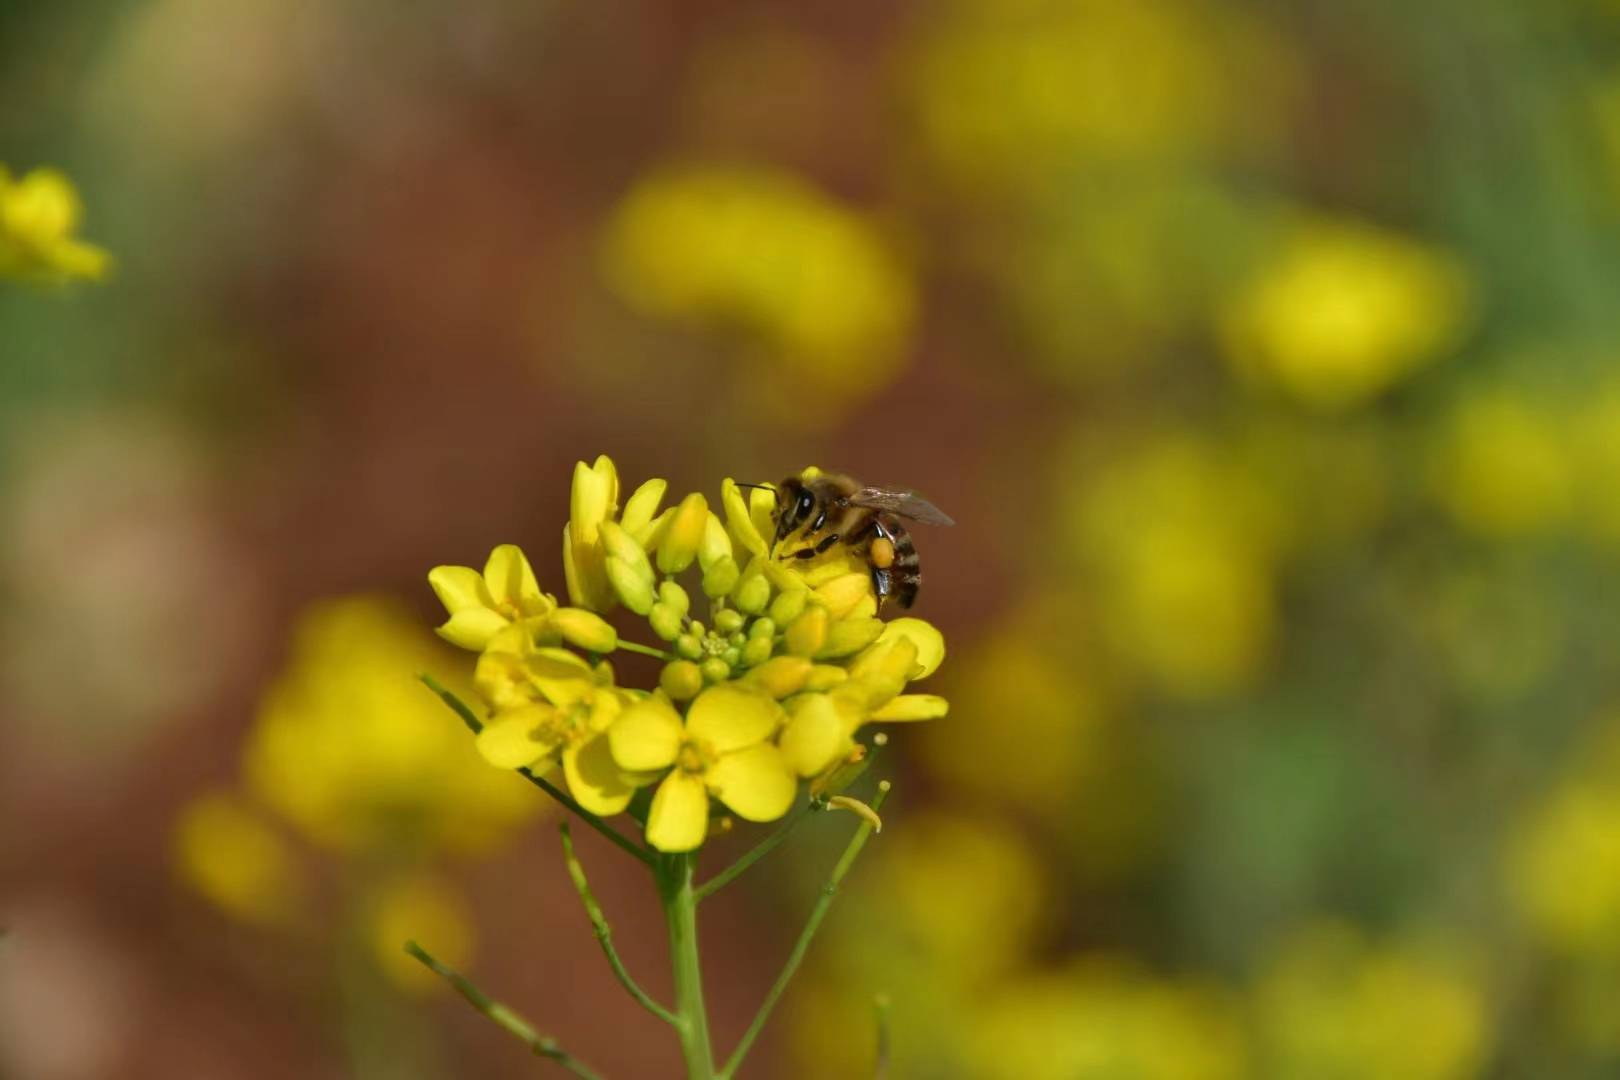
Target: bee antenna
x=763, y=487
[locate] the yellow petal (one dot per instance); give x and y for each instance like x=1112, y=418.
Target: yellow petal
x=744, y=533
x=894, y=660
x=460, y=588
x=716, y=543
x=472, y=628
x=762, y=510
x=514, y=739
x=913, y=707
x=679, y=816
x=562, y=676
x=816, y=735
x=585, y=629
x=641, y=507
x=593, y=498
x=844, y=592
x=729, y=717
x=593, y=778
x=509, y=577
x=646, y=736
x=684, y=534
x=502, y=679
x=929, y=641
x=849, y=636
x=756, y=783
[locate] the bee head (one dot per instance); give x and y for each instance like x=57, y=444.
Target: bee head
x=794, y=504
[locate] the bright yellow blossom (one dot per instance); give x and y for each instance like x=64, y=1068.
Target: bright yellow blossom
x=723, y=749
x=39, y=214
x=551, y=705
x=482, y=605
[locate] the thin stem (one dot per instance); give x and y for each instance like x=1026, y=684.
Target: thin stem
x=680, y=912
x=645, y=650
x=759, y=851
x=604, y=933
x=880, y=1009
x=542, y=1045
x=796, y=957
x=476, y=725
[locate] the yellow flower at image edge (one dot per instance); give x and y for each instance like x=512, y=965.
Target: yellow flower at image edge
x=722, y=749
x=39, y=214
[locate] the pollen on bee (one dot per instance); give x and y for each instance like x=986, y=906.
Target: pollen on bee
x=882, y=553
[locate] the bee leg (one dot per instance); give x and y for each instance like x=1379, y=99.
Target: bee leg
x=882, y=584
x=812, y=552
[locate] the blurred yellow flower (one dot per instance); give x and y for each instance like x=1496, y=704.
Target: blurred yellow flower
x=1331, y=1004
x=1562, y=859
x=812, y=282
x=39, y=214
x=1344, y=311
x=236, y=859
x=351, y=750
x=1180, y=543
x=423, y=910
x=1012, y=93
x=1502, y=465
x=1102, y=1020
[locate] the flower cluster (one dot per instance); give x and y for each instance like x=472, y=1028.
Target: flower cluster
x=39, y=214
x=769, y=689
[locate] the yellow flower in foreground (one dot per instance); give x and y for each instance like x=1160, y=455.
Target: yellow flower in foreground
x=723, y=749
x=550, y=704
x=39, y=214
x=482, y=605
x=1346, y=311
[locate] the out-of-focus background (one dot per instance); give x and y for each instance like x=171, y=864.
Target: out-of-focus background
x=1265, y=353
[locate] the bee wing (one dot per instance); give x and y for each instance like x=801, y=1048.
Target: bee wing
x=905, y=504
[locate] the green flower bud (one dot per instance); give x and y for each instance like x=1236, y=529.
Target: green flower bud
x=781, y=676
x=681, y=680
x=762, y=627
x=849, y=636
x=698, y=628
x=679, y=544
x=738, y=639
x=729, y=620
x=722, y=577
x=753, y=594
x=632, y=584
x=649, y=534
x=716, y=670
x=756, y=650
x=690, y=646
x=806, y=634
x=665, y=621
x=732, y=656
x=671, y=593
x=786, y=607
x=585, y=629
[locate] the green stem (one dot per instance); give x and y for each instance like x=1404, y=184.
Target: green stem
x=796, y=957
x=604, y=933
x=645, y=650
x=542, y=1045
x=680, y=912
x=475, y=725
x=759, y=851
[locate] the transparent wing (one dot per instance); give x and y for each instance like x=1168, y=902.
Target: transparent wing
x=905, y=504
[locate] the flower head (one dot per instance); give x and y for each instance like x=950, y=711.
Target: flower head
x=768, y=686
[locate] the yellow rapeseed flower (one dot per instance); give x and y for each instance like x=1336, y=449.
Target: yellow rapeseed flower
x=482, y=605
x=723, y=749
x=550, y=705
x=1345, y=311
x=39, y=215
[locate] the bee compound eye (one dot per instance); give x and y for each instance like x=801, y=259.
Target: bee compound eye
x=806, y=503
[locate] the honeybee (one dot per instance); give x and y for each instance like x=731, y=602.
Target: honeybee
x=830, y=509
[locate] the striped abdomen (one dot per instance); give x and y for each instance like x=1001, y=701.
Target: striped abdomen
x=901, y=577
